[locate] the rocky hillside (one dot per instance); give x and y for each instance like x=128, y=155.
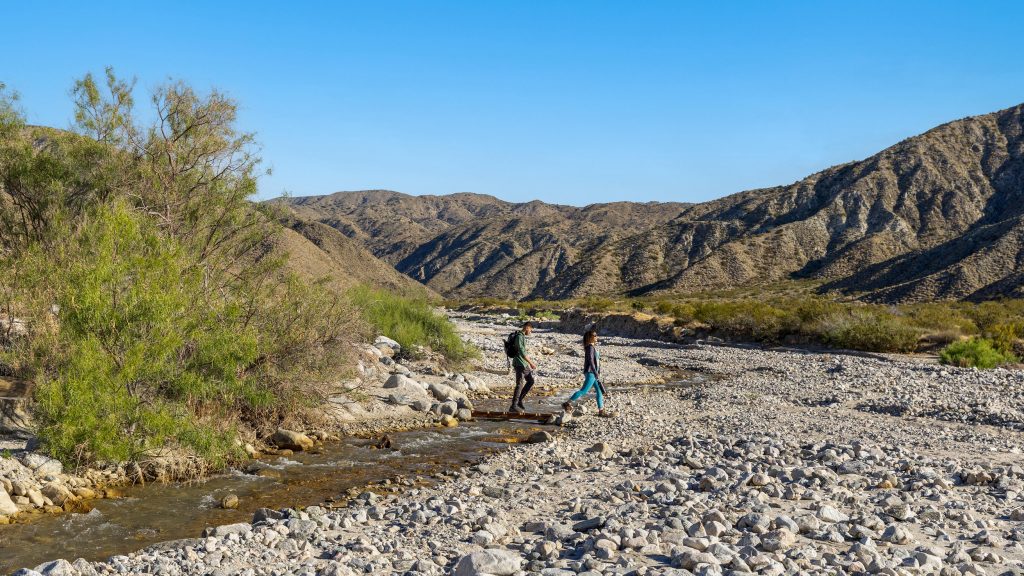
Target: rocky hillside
x=938, y=215
x=318, y=252
x=470, y=244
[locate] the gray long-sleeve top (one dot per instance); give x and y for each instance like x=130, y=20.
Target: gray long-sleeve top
x=592, y=360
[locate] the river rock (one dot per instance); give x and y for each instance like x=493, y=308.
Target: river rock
x=229, y=502
x=57, y=493
x=405, y=385
x=445, y=393
x=221, y=531
x=602, y=449
x=36, y=498
x=385, y=341
x=476, y=384
x=41, y=465
x=57, y=568
x=264, y=514
x=831, y=514
x=449, y=421
x=493, y=561
x=7, y=506
x=777, y=540
x=291, y=440
x=18, y=488
x=83, y=568
x=539, y=437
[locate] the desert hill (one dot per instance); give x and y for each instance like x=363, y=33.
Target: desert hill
x=936, y=216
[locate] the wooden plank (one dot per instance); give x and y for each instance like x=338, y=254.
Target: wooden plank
x=494, y=415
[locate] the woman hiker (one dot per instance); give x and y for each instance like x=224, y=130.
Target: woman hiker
x=592, y=373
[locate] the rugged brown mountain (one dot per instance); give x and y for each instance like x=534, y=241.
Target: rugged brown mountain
x=939, y=215
x=316, y=251
x=470, y=244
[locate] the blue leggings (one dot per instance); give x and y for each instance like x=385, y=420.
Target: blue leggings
x=591, y=382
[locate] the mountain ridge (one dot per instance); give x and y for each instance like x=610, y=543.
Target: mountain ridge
x=935, y=216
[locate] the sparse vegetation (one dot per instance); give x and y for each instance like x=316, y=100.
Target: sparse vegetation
x=412, y=322
x=793, y=313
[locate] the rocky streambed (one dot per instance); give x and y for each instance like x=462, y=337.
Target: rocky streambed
x=777, y=462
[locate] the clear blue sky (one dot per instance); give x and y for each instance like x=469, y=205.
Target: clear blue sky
x=570, y=102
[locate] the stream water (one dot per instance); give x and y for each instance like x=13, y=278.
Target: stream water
x=159, y=512
x=156, y=513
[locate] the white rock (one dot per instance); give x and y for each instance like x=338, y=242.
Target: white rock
x=7, y=506
x=493, y=561
x=385, y=341
x=830, y=514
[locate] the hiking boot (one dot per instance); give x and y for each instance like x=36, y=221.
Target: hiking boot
x=567, y=406
x=521, y=407
x=517, y=410
x=605, y=413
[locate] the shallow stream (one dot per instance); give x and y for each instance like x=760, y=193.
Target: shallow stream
x=156, y=513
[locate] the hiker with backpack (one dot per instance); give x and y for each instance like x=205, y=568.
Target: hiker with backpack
x=592, y=375
x=515, y=350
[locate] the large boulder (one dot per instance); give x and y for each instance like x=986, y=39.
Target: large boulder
x=493, y=561
x=458, y=382
x=57, y=568
x=57, y=493
x=222, y=531
x=405, y=386
x=42, y=465
x=444, y=393
x=540, y=437
x=291, y=440
x=7, y=506
x=385, y=341
x=476, y=384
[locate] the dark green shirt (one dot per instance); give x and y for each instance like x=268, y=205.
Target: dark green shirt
x=520, y=360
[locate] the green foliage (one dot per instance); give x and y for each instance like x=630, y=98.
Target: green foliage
x=976, y=352
x=528, y=313
x=597, y=303
x=747, y=319
x=132, y=344
x=137, y=263
x=867, y=330
x=411, y=322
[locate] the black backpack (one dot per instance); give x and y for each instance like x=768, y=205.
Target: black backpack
x=511, y=347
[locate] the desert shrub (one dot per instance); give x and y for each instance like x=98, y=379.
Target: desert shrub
x=136, y=261
x=976, y=352
x=1003, y=336
x=683, y=312
x=867, y=330
x=986, y=315
x=940, y=318
x=548, y=315
x=133, y=344
x=747, y=319
x=597, y=304
x=810, y=310
x=411, y=322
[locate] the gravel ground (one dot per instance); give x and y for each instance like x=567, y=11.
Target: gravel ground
x=775, y=463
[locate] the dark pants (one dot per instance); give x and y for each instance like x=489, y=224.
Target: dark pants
x=524, y=382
